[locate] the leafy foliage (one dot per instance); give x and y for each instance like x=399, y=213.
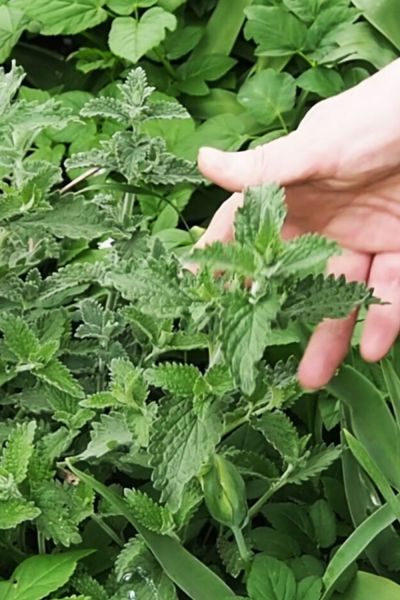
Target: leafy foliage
x=178, y=389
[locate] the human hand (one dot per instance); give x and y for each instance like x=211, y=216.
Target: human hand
x=341, y=170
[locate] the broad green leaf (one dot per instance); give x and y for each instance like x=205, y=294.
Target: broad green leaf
x=73, y=217
x=383, y=15
x=268, y=95
x=60, y=17
x=359, y=41
x=309, y=588
x=271, y=579
x=276, y=31
x=127, y=7
x=16, y=510
x=18, y=450
x=368, y=586
x=12, y=23
x=324, y=521
x=38, y=576
x=322, y=81
x=181, y=444
x=244, y=335
x=132, y=39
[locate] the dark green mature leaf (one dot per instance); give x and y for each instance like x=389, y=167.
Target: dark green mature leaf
x=16, y=510
x=244, y=335
x=177, y=379
x=38, y=576
x=271, y=579
x=280, y=432
x=59, y=17
x=57, y=375
x=316, y=298
x=276, y=31
x=182, y=443
x=151, y=515
x=268, y=95
x=18, y=450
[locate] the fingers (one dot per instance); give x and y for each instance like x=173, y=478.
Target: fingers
x=285, y=161
x=382, y=324
x=221, y=227
x=330, y=342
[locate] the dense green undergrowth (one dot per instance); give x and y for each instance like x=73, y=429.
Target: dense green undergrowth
x=155, y=442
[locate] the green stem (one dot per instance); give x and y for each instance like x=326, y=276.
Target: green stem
x=166, y=64
x=244, y=552
x=107, y=529
x=310, y=62
x=257, y=506
x=282, y=122
x=41, y=542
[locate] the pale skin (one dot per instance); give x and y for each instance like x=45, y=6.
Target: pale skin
x=341, y=170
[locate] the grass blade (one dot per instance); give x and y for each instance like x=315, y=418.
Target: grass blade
x=223, y=28
x=371, y=420
x=355, y=545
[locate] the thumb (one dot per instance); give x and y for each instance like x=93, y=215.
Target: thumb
x=285, y=161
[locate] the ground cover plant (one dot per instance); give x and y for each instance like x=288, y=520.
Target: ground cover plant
x=155, y=444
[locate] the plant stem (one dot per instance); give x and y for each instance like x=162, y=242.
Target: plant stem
x=41, y=542
x=107, y=529
x=270, y=492
x=244, y=552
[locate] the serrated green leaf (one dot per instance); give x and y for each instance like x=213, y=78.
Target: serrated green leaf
x=18, y=337
x=175, y=378
x=259, y=221
x=244, y=336
x=57, y=375
x=107, y=434
x=18, y=450
x=15, y=511
x=182, y=442
x=305, y=255
x=317, y=460
x=228, y=257
x=151, y=515
x=316, y=298
x=280, y=432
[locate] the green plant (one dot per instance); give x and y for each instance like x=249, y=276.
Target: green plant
x=150, y=416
